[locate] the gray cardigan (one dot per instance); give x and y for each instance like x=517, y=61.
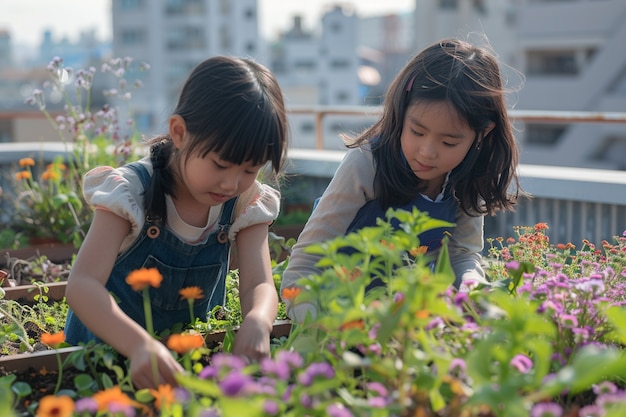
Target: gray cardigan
x=350, y=188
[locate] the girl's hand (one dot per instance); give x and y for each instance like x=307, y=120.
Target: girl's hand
x=141, y=366
x=252, y=340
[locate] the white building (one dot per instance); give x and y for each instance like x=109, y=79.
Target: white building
x=173, y=37
x=572, y=53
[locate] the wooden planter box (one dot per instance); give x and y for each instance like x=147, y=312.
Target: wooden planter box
x=48, y=358
x=55, y=252
x=56, y=291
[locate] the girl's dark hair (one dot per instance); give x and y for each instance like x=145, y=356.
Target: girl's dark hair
x=231, y=106
x=467, y=77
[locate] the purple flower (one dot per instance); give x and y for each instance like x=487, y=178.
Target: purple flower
x=209, y=412
x=522, y=363
x=378, y=388
x=460, y=298
x=315, y=369
x=457, y=367
x=121, y=409
x=280, y=369
x=605, y=387
x=591, y=411
x=86, y=405
x=234, y=383
x=569, y=321
x=293, y=359
x=306, y=400
x=377, y=402
x=514, y=265
x=436, y=323
x=221, y=360
x=610, y=399
x=546, y=410
x=338, y=410
x=270, y=407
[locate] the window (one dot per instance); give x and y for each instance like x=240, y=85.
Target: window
x=543, y=134
x=6, y=130
x=304, y=65
x=564, y=62
x=249, y=14
x=339, y=64
x=187, y=38
x=226, y=40
x=131, y=4
x=132, y=36
x=448, y=4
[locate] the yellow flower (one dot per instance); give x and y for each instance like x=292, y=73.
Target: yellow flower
x=27, y=162
x=290, y=294
x=143, y=277
x=23, y=175
x=53, y=339
x=183, y=343
x=163, y=396
x=51, y=406
x=191, y=293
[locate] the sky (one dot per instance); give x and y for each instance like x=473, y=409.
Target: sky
x=28, y=19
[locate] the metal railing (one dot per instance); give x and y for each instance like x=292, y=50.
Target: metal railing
x=576, y=203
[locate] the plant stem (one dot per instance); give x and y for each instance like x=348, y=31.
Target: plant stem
x=60, y=372
x=150, y=328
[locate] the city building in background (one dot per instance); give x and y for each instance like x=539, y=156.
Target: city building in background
x=558, y=55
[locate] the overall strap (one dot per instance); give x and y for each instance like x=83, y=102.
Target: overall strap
x=142, y=173
x=228, y=212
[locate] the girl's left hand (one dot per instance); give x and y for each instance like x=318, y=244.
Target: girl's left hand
x=252, y=340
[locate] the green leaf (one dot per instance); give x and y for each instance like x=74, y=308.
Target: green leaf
x=21, y=389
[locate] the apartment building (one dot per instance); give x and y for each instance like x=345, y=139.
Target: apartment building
x=570, y=53
x=173, y=36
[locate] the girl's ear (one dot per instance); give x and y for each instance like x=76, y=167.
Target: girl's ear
x=178, y=130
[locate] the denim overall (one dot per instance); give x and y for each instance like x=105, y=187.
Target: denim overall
x=442, y=210
x=182, y=265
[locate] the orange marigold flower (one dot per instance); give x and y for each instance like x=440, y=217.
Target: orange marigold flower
x=50, y=175
x=143, y=277
x=56, y=166
x=541, y=226
x=353, y=324
x=422, y=314
x=164, y=396
x=388, y=244
x=52, y=406
x=510, y=240
x=27, y=162
x=113, y=395
x=23, y=175
x=561, y=246
x=53, y=339
x=191, y=293
x=290, y=294
x=421, y=250
x=183, y=343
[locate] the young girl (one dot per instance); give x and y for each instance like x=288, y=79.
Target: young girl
x=443, y=144
x=179, y=210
